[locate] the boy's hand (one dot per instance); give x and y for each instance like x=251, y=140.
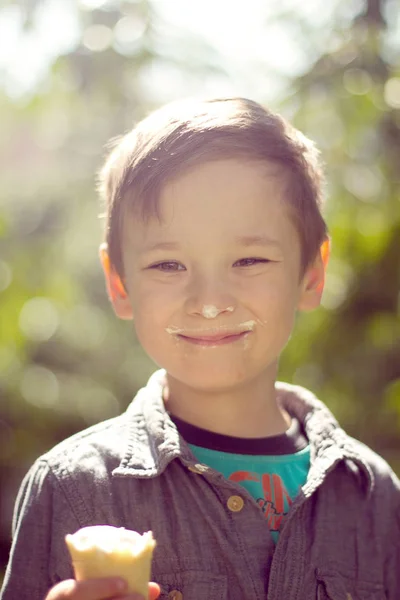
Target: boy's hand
x=97, y=589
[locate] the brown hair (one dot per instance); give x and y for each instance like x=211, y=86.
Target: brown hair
x=183, y=134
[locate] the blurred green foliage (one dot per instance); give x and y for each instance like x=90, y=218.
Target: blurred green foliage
x=65, y=361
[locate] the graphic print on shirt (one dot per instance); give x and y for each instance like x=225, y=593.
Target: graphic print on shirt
x=275, y=502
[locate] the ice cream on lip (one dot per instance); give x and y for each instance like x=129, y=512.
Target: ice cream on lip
x=211, y=332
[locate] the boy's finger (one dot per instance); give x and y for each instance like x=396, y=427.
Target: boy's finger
x=154, y=591
x=91, y=589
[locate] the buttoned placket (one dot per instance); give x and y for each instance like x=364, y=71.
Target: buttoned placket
x=287, y=581
x=236, y=500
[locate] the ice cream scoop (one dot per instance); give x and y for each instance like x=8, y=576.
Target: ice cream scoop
x=105, y=551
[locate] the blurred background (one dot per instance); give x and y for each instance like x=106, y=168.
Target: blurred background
x=73, y=74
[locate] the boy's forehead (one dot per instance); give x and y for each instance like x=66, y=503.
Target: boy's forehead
x=233, y=181
x=229, y=200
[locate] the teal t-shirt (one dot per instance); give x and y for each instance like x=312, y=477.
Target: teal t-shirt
x=273, y=481
x=271, y=469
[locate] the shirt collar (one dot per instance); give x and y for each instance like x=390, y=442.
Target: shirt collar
x=153, y=440
x=329, y=443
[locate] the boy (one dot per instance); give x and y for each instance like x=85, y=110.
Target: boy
x=214, y=241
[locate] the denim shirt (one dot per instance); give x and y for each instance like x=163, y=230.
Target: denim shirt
x=339, y=541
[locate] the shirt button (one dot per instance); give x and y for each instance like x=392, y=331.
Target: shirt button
x=235, y=503
x=175, y=595
x=198, y=468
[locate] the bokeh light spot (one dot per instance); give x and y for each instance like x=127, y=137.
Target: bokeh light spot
x=97, y=38
x=39, y=386
x=38, y=319
x=128, y=33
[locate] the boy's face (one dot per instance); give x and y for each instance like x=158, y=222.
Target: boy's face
x=214, y=285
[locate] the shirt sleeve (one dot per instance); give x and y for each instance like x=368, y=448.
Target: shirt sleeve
x=38, y=558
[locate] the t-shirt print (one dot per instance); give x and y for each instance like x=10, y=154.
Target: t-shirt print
x=275, y=500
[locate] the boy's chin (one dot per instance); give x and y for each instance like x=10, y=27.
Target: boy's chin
x=212, y=380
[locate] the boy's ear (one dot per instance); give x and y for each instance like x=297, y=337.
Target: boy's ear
x=314, y=279
x=115, y=288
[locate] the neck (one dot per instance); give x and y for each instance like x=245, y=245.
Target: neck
x=248, y=411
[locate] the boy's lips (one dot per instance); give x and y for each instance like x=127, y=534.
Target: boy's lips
x=213, y=336
x=214, y=340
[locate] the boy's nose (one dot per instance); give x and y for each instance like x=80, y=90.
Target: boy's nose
x=209, y=299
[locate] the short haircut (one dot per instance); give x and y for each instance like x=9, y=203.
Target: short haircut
x=183, y=134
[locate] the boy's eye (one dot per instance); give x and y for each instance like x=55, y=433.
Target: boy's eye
x=249, y=262
x=168, y=266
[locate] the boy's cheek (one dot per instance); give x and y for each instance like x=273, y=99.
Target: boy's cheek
x=150, y=323
x=155, y=303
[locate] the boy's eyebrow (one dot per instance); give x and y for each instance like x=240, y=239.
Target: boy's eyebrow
x=162, y=246
x=243, y=240
x=256, y=240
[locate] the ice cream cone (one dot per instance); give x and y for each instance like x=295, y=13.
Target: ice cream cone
x=105, y=551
